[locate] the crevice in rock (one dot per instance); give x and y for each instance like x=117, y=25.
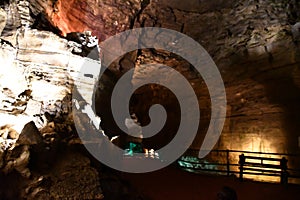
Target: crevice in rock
x=294, y=13
x=42, y=23
x=143, y=5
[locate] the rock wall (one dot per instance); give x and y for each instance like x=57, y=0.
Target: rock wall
x=250, y=41
x=38, y=155
x=251, y=44
x=37, y=77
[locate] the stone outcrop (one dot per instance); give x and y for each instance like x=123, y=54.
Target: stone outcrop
x=36, y=82
x=38, y=71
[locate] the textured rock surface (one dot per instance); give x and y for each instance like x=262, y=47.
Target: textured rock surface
x=41, y=156
x=252, y=42
x=109, y=17
x=37, y=73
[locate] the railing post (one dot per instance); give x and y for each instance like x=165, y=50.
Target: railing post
x=228, y=162
x=241, y=162
x=284, y=173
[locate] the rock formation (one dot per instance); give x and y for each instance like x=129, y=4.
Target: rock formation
x=38, y=71
x=250, y=41
x=255, y=45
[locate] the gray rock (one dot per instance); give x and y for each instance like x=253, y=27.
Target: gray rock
x=296, y=32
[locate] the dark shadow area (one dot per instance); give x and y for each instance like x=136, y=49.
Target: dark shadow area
x=43, y=24
x=11, y=186
x=172, y=183
x=150, y=94
x=141, y=102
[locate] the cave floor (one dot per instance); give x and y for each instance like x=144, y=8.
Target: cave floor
x=173, y=183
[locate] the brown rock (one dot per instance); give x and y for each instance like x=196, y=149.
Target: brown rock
x=13, y=134
x=30, y=135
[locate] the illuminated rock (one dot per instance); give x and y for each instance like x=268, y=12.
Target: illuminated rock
x=251, y=43
x=37, y=75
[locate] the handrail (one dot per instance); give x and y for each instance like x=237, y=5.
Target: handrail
x=252, y=152
x=228, y=167
x=259, y=168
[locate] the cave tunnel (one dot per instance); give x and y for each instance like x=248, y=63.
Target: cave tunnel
x=51, y=95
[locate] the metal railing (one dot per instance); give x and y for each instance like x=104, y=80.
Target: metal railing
x=228, y=162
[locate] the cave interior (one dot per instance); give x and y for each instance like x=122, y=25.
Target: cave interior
x=47, y=98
